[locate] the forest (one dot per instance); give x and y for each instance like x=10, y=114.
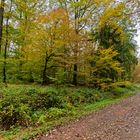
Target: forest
x=57, y=54
x=73, y=42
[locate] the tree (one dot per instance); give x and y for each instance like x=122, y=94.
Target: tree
x=7, y=41
x=80, y=12
x=117, y=30
x=65, y=41
x=103, y=66
x=50, y=38
x=1, y=21
x=24, y=16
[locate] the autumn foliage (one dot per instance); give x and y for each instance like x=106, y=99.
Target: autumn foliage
x=78, y=42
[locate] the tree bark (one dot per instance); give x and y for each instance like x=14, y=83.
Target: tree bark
x=6, y=46
x=75, y=75
x=75, y=67
x=44, y=75
x=1, y=21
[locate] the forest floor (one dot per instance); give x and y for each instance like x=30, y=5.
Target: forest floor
x=120, y=121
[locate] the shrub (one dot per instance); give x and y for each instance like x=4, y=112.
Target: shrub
x=92, y=95
x=119, y=91
x=38, y=117
x=46, y=99
x=133, y=87
x=55, y=113
x=35, y=105
x=84, y=95
x=13, y=111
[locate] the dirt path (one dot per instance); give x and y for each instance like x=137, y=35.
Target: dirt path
x=116, y=122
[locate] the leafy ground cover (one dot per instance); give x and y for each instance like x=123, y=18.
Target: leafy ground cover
x=29, y=110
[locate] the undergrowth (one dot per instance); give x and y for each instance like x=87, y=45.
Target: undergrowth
x=29, y=107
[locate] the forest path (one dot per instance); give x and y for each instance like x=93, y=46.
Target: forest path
x=116, y=122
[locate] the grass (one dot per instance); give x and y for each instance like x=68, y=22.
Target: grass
x=57, y=115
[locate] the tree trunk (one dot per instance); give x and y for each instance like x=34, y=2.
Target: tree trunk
x=6, y=46
x=44, y=76
x=75, y=67
x=75, y=75
x=5, y=53
x=1, y=21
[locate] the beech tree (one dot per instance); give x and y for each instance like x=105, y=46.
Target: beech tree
x=49, y=38
x=80, y=12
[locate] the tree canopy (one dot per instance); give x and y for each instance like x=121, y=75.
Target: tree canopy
x=80, y=42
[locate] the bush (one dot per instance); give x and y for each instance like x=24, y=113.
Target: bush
x=45, y=101
x=18, y=104
x=83, y=95
x=119, y=91
x=56, y=113
x=133, y=87
x=39, y=116
x=13, y=111
x=34, y=105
